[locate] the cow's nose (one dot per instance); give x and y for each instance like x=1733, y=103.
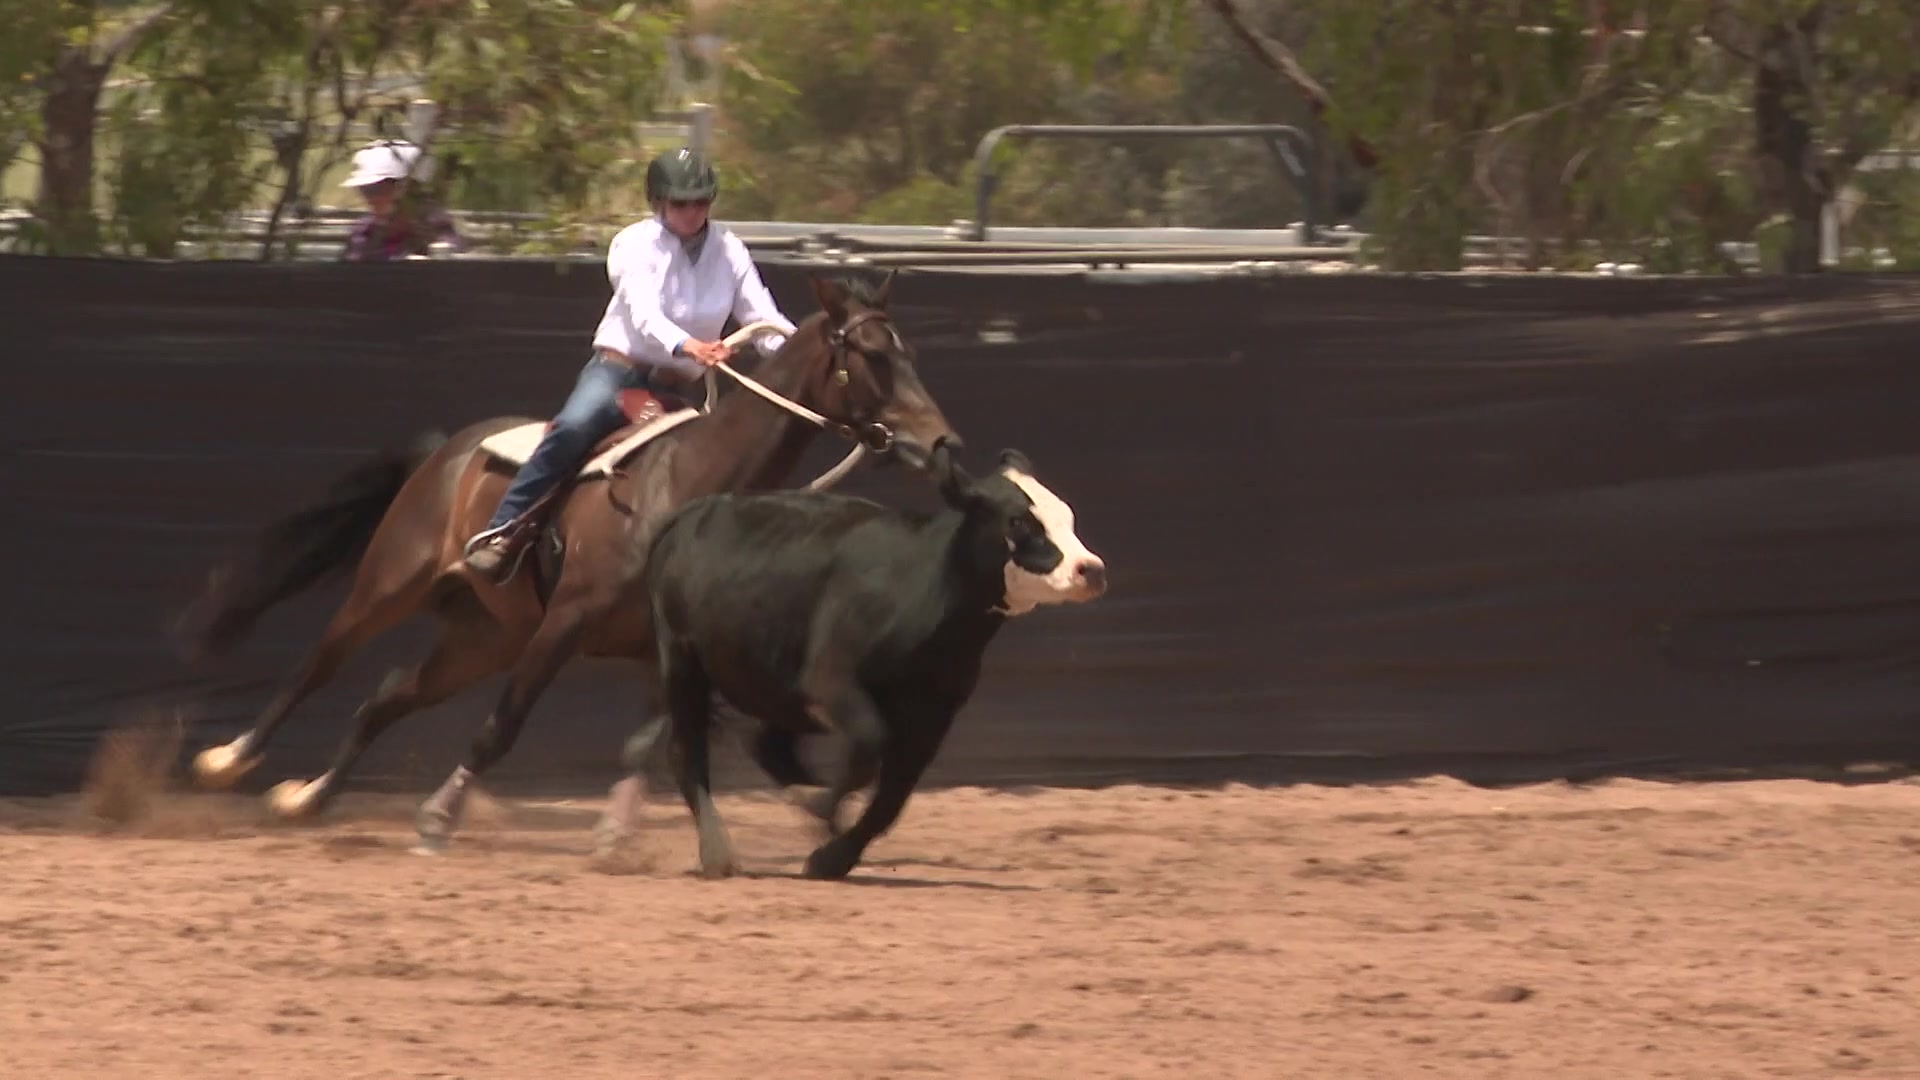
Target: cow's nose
x=1094, y=574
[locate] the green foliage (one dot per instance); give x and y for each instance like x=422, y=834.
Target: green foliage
x=1508, y=115
x=222, y=101
x=185, y=133
x=1721, y=120
x=839, y=102
x=544, y=97
x=845, y=110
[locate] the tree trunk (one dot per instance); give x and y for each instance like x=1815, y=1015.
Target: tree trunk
x=1795, y=178
x=291, y=149
x=1282, y=60
x=68, y=115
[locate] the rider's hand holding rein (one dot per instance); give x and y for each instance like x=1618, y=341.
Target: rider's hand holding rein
x=707, y=352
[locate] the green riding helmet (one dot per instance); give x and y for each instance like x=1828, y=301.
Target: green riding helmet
x=680, y=174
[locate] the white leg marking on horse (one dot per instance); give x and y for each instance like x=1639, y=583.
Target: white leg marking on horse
x=228, y=762
x=292, y=798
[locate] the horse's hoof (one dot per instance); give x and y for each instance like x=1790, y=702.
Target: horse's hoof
x=219, y=767
x=429, y=845
x=802, y=795
x=609, y=839
x=817, y=803
x=293, y=798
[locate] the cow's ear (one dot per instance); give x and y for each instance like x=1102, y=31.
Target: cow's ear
x=1014, y=459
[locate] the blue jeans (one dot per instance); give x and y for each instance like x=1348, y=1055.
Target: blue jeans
x=591, y=413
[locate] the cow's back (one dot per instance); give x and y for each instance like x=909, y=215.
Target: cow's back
x=738, y=579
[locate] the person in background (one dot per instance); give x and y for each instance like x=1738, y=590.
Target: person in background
x=398, y=222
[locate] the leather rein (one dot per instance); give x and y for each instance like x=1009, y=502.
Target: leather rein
x=871, y=437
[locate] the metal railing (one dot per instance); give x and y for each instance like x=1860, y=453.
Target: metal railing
x=1291, y=148
x=321, y=236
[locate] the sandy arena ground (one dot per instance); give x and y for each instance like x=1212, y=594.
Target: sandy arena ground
x=1618, y=931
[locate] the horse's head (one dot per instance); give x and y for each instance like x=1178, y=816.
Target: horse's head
x=871, y=386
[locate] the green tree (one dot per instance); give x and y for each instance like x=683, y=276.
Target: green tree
x=857, y=111
x=218, y=100
x=1830, y=84
x=1545, y=115
x=57, y=57
x=544, y=98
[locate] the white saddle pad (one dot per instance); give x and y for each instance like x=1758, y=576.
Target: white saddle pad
x=516, y=444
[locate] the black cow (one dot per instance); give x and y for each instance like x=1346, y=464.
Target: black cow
x=812, y=611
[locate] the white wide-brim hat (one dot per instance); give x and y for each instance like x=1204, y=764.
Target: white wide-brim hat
x=393, y=160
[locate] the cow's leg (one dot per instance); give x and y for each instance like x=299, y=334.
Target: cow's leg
x=839, y=703
x=773, y=749
x=845, y=707
x=901, y=767
x=548, y=651
x=690, y=701
x=858, y=769
x=848, y=708
x=776, y=751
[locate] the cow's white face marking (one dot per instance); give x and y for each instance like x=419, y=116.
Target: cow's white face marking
x=1053, y=567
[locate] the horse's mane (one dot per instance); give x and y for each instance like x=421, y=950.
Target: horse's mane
x=861, y=288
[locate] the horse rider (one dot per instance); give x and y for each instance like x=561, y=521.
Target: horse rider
x=676, y=277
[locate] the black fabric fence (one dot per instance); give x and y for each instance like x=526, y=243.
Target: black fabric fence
x=1356, y=525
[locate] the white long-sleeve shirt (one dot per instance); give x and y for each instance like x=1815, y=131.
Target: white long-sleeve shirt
x=661, y=297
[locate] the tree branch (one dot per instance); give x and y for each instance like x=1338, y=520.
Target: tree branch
x=131, y=35
x=1282, y=60
x=1717, y=32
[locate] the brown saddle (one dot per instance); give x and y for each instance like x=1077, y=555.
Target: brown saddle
x=640, y=408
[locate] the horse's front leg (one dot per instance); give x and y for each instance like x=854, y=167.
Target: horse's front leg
x=548, y=651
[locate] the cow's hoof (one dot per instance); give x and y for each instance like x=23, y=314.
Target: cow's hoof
x=716, y=860
x=829, y=863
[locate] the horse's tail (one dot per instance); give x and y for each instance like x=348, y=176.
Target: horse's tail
x=300, y=549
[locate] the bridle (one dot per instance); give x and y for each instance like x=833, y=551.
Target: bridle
x=870, y=437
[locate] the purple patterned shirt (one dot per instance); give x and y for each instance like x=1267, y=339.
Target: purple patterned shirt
x=400, y=238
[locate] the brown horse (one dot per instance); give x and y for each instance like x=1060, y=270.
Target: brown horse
x=406, y=518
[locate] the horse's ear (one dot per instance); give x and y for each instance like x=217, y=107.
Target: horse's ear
x=1014, y=459
x=956, y=487
x=832, y=295
x=885, y=290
